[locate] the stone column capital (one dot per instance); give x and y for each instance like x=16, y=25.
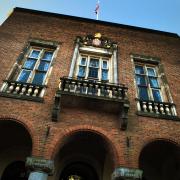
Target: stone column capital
x=39, y=164
x=123, y=173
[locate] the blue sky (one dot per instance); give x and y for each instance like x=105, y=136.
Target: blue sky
x=161, y=15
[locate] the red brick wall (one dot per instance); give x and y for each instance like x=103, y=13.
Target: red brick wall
x=15, y=33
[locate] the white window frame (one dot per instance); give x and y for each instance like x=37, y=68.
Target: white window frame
x=149, y=88
x=100, y=68
x=38, y=60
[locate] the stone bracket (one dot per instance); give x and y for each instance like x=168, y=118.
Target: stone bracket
x=123, y=173
x=38, y=164
x=124, y=116
x=56, y=107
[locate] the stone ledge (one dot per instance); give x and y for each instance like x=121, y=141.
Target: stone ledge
x=21, y=97
x=158, y=116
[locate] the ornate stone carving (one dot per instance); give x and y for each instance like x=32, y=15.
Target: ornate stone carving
x=97, y=40
x=38, y=164
x=123, y=173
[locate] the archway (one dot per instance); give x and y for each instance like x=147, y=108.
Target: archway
x=85, y=155
x=15, y=146
x=160, y=160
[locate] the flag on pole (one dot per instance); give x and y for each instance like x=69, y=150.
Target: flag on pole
x=97, y=10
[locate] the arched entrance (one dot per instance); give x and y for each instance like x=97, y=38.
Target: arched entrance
x=15, y=146
x=160, y=160
x=15, y=171
x=85, y=155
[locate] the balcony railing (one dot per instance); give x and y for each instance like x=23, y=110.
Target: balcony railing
x=80, y=91
x=157, y=108
x=90, y=88
x=22, y=90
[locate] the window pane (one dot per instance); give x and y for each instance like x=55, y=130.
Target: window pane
x=94, y=63
x=39, y=78
x=139, y=70
x=43, y=66
x=153, y=82
x=104, y=65
x=156, y=95
x=47, y=56
x=24, y=76
x=35, y=54
x=83, y=61
x=140, y=80
x=29, y=64
x=93, y=72
x=151, y=72
x=81, y=72
x=104, y=74
x=143, y=94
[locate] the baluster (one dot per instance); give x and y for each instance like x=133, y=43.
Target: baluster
x=11, y=88
x=67, y=82
x=156, y=108
x=114, y=92
x=96, y=88
x=29, y=90
x=144, y=106
x=167, y=109
x=23, y=90
x=90, y=89
x=72, y=86
x=107, y=91
x=121, y=93
x=150, y=107
x=161, y=109
x=17, y=89
x=110, y=92
x=78, y=88
x=102, y=90
x=36, y=91
x=84, y=88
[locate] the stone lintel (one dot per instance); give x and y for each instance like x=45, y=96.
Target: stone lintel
x=123, y=173
x=39, y=164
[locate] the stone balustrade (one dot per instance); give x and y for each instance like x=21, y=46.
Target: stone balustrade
x=93, y=88
x=22, y=89
x=158, y=108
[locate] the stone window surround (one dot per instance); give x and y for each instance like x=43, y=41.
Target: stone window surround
x=135, y=58
x=12, y=75
x=96, y=50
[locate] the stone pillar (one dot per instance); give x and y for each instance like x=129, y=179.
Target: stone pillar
x=74, y=58
x=40, y=168
x=115, y=66
x=123, y=173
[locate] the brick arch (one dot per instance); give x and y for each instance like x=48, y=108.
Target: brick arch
x=57, y=141
x=150, y=140
x=29, y=127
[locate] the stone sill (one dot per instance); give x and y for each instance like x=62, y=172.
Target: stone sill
x=22, y=97
x=158, y=116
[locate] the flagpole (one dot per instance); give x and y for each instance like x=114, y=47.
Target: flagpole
x=97, y=10
x=97, y=16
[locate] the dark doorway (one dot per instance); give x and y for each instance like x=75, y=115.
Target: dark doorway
x=160, y=160
x=15, y=171
x=84, y=156
x=79, y=171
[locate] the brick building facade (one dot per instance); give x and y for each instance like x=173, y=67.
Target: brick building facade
x=85, y=99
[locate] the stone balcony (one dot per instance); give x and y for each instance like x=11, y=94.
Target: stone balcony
x=19, y=90
x=164, y=110
x=92, y=95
